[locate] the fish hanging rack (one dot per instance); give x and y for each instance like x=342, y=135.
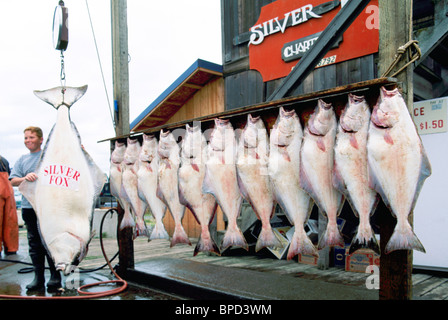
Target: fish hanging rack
x=268, y=109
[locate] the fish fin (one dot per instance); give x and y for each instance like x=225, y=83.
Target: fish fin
x=375, y=185
x=206, y=245
x=167, y=163
x=425, y=170
x=364, y=242
x=159, y=194
x=182, y=199
x=353, y=141
x=338, y=181
x=207, y=184
x=320, y=143
x=179, y=236
x=301, y=243
x=28, y=190
x=404, y=239
x=159, y=231
x=61, y=95
x=141, y=229
x=331, y=237
x=234, y=237
x=127, y=221
x=243, y=190
x=284, y=152
x=305, y=183
x=99, y=177
x=267, y=238
x=195, y=167
x=388, y=137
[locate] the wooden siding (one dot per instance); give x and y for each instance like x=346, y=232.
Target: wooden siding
x=209, y=100
x=245, y=87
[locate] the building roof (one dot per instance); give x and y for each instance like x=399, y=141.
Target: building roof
x=177, y=94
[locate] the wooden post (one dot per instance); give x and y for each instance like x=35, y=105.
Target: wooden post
x=323, y=262
x=120, y=59
x=395, y=31
x=121, y=115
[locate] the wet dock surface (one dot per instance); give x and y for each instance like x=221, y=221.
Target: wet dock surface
x=164, y=273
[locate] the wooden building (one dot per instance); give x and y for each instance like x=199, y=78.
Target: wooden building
x=199, y=91
x=271, y=52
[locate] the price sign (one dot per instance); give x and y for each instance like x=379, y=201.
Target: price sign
x=430, y=116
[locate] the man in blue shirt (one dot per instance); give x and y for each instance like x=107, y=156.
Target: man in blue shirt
x=24, y=169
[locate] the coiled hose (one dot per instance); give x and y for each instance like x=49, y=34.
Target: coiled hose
x=81, y=290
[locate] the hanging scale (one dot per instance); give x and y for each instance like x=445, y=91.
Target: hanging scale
x=60, y=35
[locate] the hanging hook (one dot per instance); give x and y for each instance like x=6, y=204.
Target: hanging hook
x=62, y=76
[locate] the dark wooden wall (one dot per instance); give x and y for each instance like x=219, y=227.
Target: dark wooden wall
x=245, y=87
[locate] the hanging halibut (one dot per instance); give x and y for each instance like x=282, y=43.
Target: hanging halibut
x=115, y=180
x=191, y=176
x=350, y=175
x=253, y=178
x=129, y=189
x=68, y=185
x=147, y=184
x=168, y=189
x=221, y=180
x=284, y=171
x=316, y=170
x=398, y=164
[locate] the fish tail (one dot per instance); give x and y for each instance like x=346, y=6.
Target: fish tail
x=234, y=237
x=301, y=243
x=267, y=238
x=331, y=237
x=206, y=244
x=140, y=229
x=128, y=221
x=179, y=236
x=61, y=95
x=364, y=241
x=159, y=231
x=404, y=238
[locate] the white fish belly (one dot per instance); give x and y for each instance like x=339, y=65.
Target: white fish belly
x=224, y=186
x=353, y=168
x=256, y=184
x=130, y=185
x=168, y=185
x=318, y=166
x=190, y=186
x=115, y=180
x=147, y=185
x=64, y=192
x=285, y=181
x=395, y=168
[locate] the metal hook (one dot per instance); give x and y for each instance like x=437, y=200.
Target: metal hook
x=62, y=69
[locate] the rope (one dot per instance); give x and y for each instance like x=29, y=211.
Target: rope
x=400, y=51
x=101, y=67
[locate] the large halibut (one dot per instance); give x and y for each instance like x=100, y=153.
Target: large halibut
x=68, y=185
x=398, y=165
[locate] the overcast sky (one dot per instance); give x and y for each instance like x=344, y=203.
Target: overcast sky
x=165, y=38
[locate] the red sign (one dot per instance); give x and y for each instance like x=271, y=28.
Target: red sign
x=287, y=29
